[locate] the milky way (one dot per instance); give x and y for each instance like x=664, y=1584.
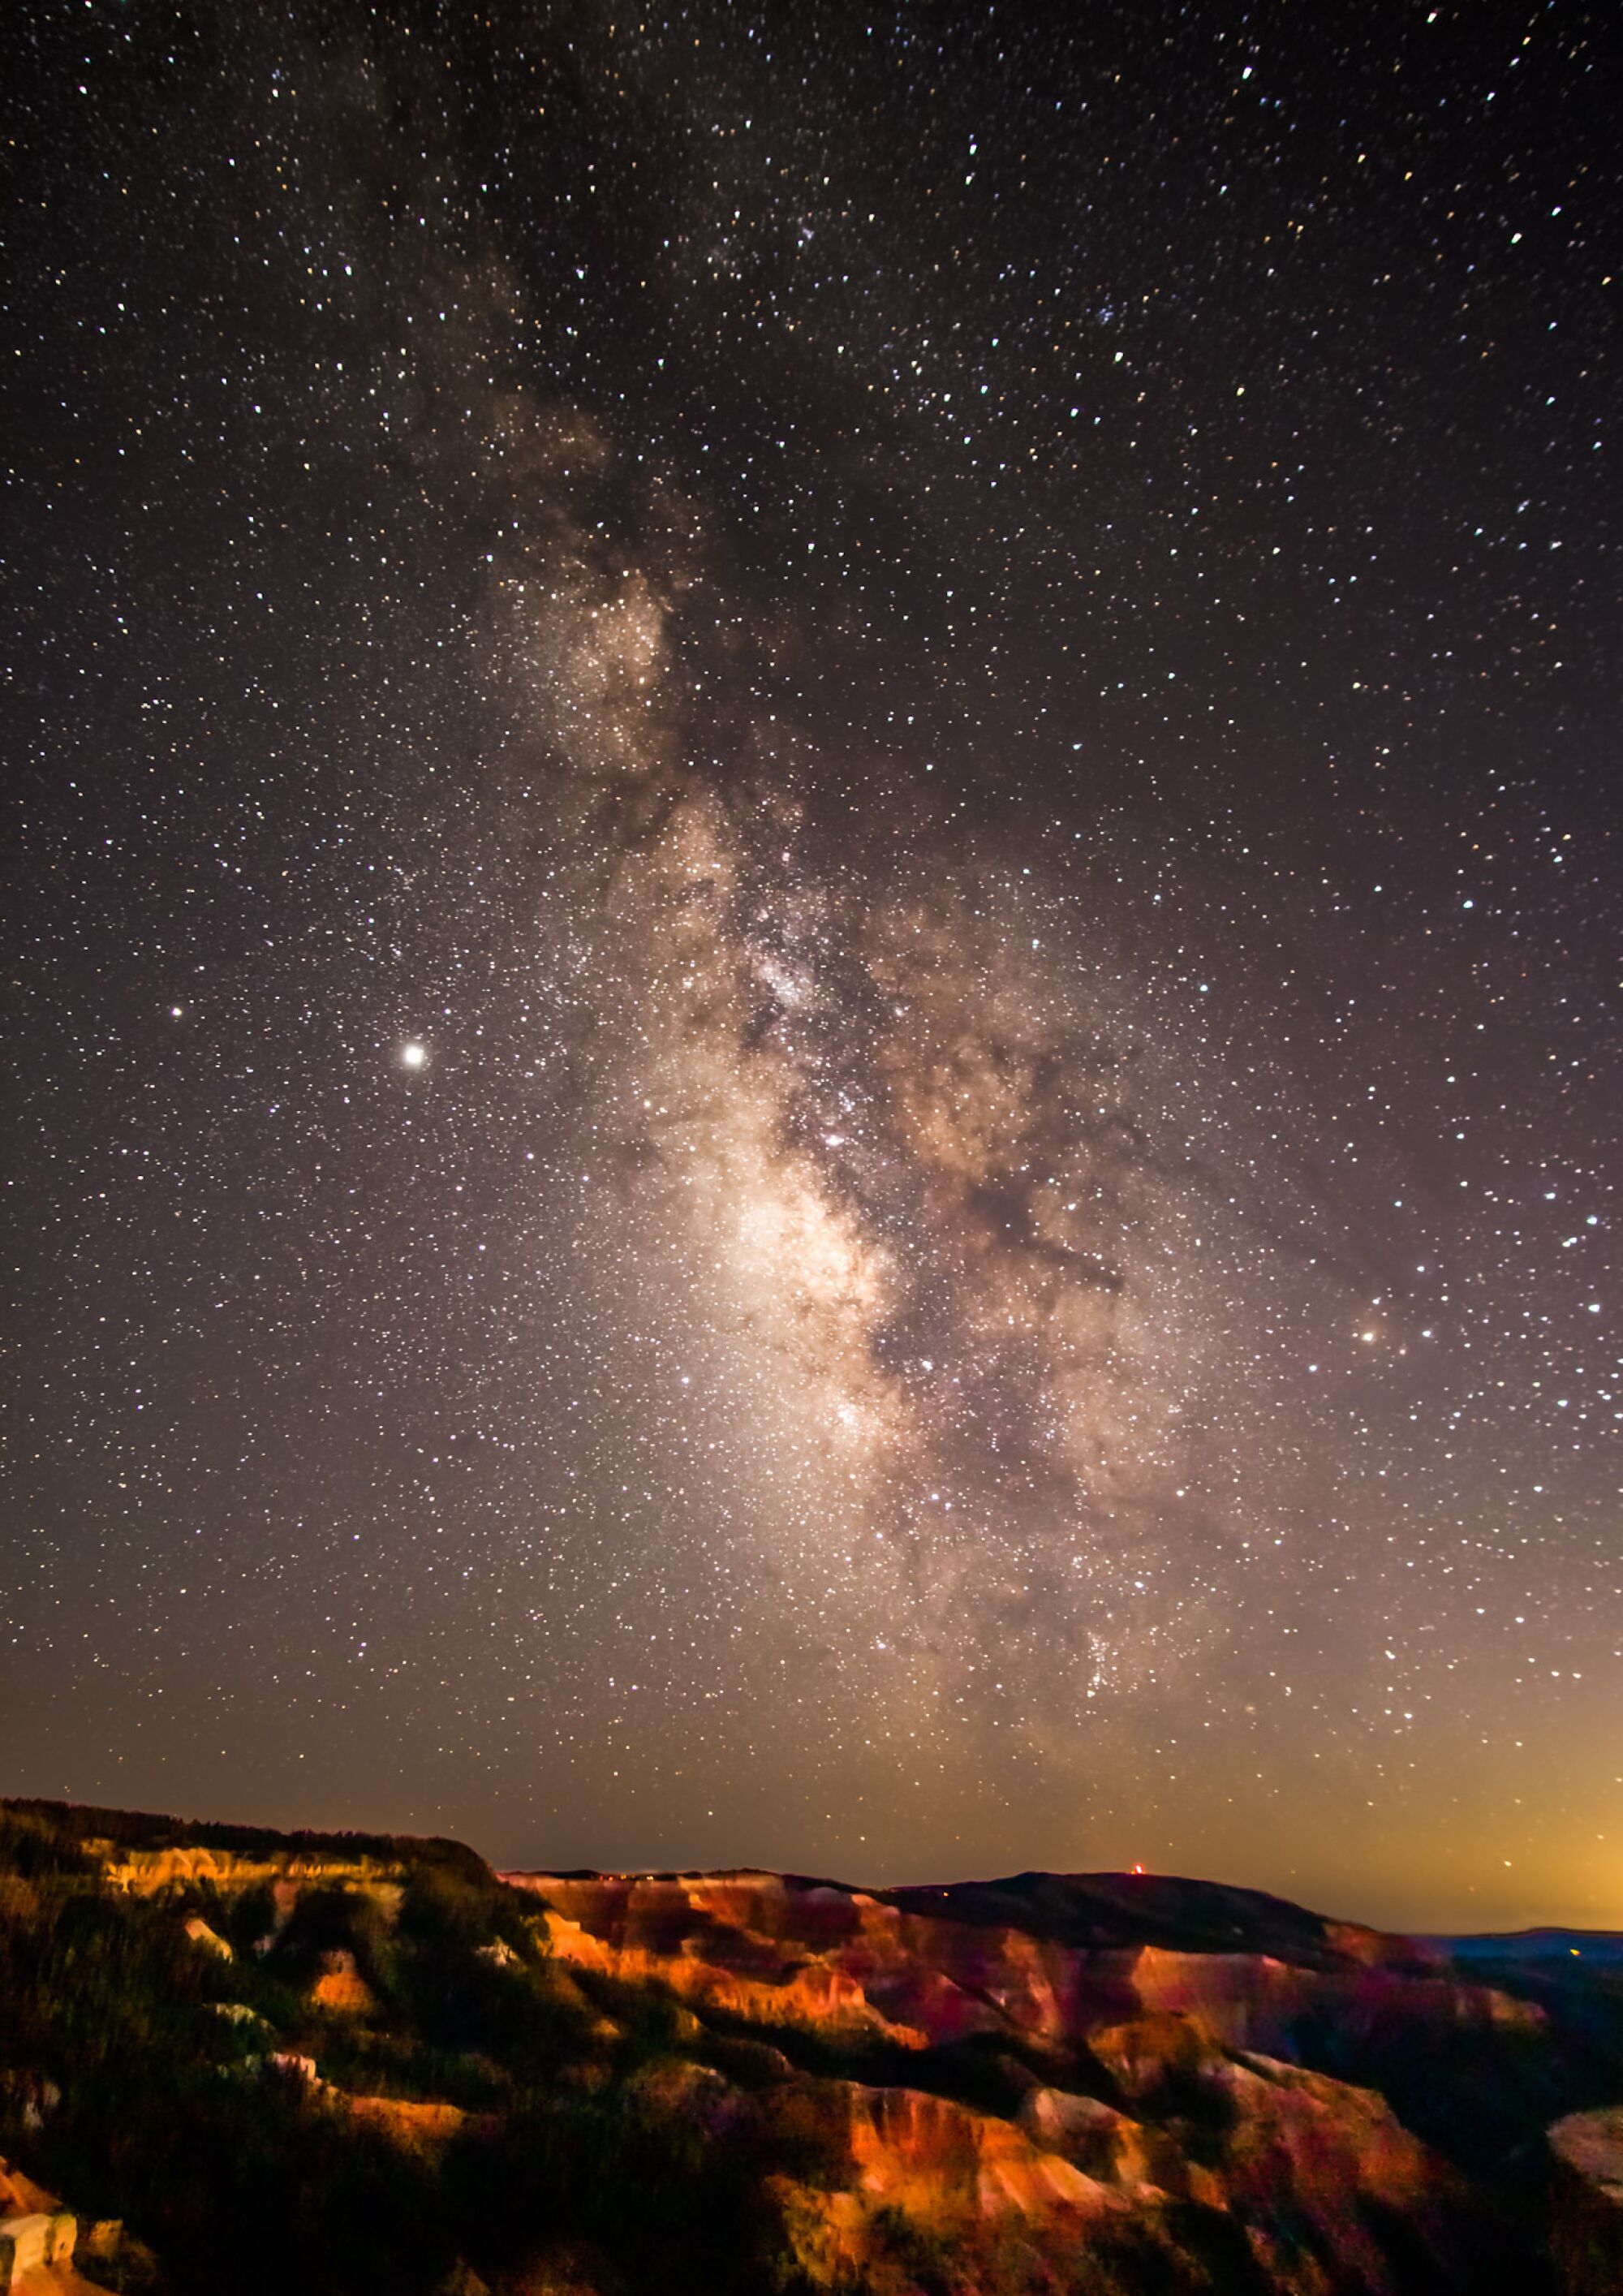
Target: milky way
x=815, y=998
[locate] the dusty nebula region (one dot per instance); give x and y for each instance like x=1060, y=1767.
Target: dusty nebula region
x=882, y=1141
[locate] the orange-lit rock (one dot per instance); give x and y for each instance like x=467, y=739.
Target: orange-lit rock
x=768, y=1988
x=340, y=1985
x=144, y=1872
x=939, y=2159
x=414, y=2126
x=38, y=2238
x=210, y=1940
x=927, y=2175
x=29, y=2245
x=20, y=2196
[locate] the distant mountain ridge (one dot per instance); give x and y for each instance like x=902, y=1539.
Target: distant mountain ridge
x=1106, y=1910
x=1531, y=1945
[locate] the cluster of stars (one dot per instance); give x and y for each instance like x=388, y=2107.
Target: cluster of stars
x=817, y=1045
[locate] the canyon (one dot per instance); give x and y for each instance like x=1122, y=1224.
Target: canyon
x=349, y=2062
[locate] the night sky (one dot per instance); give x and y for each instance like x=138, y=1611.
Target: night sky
x=812, y=1044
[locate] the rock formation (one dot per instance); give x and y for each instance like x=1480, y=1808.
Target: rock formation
x=749, y=2082
x=1587, y=2215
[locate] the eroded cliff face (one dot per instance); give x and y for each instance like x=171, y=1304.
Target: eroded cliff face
x=150, y=1873
x=1285, y=2200
x=782, y=1951
x=1151, y=2110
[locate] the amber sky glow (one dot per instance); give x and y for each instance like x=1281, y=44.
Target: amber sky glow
x=817, y=1040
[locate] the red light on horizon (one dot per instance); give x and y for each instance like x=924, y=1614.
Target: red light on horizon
x=1138, y=1869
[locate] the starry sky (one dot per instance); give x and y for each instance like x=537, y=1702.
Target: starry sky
x=813, y=1003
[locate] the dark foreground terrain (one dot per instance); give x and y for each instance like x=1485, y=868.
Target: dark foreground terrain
x=234, y=2061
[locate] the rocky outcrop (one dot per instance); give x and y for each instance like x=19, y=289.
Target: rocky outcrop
x=27, y=2244
x=936, y=2159
x=1587, y=2211
x=117, y=2260
x=813, y=1993
x=1301, y=2172
x=38, y=2238
x=198, y=1929
x=150, y=1873
x=340, y=1985
x=925, y=2176
x=1110, y=2145
x=418, y=2126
